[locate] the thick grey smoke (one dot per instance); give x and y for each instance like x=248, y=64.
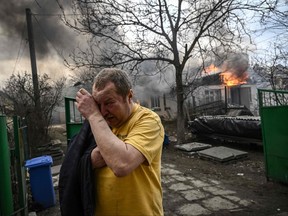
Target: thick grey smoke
x=237, y=64
x=48, y=29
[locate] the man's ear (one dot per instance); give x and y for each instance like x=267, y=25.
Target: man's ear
x=130, y=95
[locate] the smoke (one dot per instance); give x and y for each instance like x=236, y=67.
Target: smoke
x=154, y=85
x=48, y=29
x=237, y=64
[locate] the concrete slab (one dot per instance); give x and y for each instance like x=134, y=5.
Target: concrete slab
x=169, y=171
x=167, y=179
x=191, y=195
x=194, y=146
x=222, y=154
x=218, y=190
x=179, y=178
x=218, y=203
x=180, y=187
x=199, y=183
x=55, y=170
x=193, y=210
x=241, y=202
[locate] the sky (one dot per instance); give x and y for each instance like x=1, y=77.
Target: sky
x=53, y=40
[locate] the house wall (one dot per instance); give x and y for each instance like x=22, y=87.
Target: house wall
x=168, y=111
x=236, y=95
x=58, y=116
x=206, y=94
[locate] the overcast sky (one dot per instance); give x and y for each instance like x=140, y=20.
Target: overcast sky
x=53, y=40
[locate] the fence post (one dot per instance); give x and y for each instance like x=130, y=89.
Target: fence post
x=19, y=153
x=6, y=198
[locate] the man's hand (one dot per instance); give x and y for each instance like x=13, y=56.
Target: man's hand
x=97, y=159
x=86, y=104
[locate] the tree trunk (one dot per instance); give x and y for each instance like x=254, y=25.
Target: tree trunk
x=180, y=105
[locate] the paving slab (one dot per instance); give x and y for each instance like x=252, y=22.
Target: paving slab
x=218, y=190
x=222, y=154
x=193, y=210
x=194, y=146
x=180, y=187
x=218, y=203
x=179, y=178
x=241, y=202
x=199, y=183
x=55, y=170
x=191, y=195
x=169, y=171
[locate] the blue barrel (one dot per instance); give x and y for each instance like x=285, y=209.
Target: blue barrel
x=41, y=180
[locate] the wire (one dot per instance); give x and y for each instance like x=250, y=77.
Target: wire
x=37, y=3
x=19, y=54
x=60, y=14
x=43, y=32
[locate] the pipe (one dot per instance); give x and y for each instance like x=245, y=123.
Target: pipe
x=226, y=98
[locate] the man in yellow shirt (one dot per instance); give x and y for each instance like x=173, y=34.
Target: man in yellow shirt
x=129, y=137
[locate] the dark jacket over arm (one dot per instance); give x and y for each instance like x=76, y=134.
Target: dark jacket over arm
x=76, y=181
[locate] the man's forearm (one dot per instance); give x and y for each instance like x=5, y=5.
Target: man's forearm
x=122, y=158
x=110, y=147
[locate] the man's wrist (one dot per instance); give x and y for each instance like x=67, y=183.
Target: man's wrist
x=96, y=117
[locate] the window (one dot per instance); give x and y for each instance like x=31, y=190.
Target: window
x=155, y=101
x=212, y=95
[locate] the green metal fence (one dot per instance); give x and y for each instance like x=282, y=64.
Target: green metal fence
x=21, y=154
x=6, y=198
x=273, y=107
x=13, y=195
x=74, y=120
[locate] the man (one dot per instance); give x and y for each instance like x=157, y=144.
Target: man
x=129, y=137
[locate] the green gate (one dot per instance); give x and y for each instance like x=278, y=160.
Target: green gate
x=6, y=198
x=74, y=119
x=273, y=106
x=13, y=194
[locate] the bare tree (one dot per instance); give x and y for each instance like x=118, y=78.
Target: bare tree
x=20, y=101
x=276, y=18
x=169, y=32
x=271, y=65
x=272, y=68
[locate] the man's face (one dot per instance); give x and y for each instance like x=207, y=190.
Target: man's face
x=114, y=108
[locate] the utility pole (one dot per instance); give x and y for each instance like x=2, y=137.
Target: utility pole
x=33, y=59
x=36, y=129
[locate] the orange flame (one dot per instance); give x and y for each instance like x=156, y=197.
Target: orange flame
x=211, y=69
x=230, y=79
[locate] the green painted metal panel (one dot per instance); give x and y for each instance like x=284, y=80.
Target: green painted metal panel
x=72, y=129
x=6, y=198
x=20, y=159
x=74, y=120
x=274, y=119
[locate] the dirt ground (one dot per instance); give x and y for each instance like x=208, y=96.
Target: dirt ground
x=246, y=176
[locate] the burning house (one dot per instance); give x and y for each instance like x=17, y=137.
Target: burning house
x=222, y=90
x=223, y=104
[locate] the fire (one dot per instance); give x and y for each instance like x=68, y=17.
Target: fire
x=231, y=79
x=211, y=69
x=230, y=76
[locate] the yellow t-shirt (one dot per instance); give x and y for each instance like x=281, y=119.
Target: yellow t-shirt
x=140, y=192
